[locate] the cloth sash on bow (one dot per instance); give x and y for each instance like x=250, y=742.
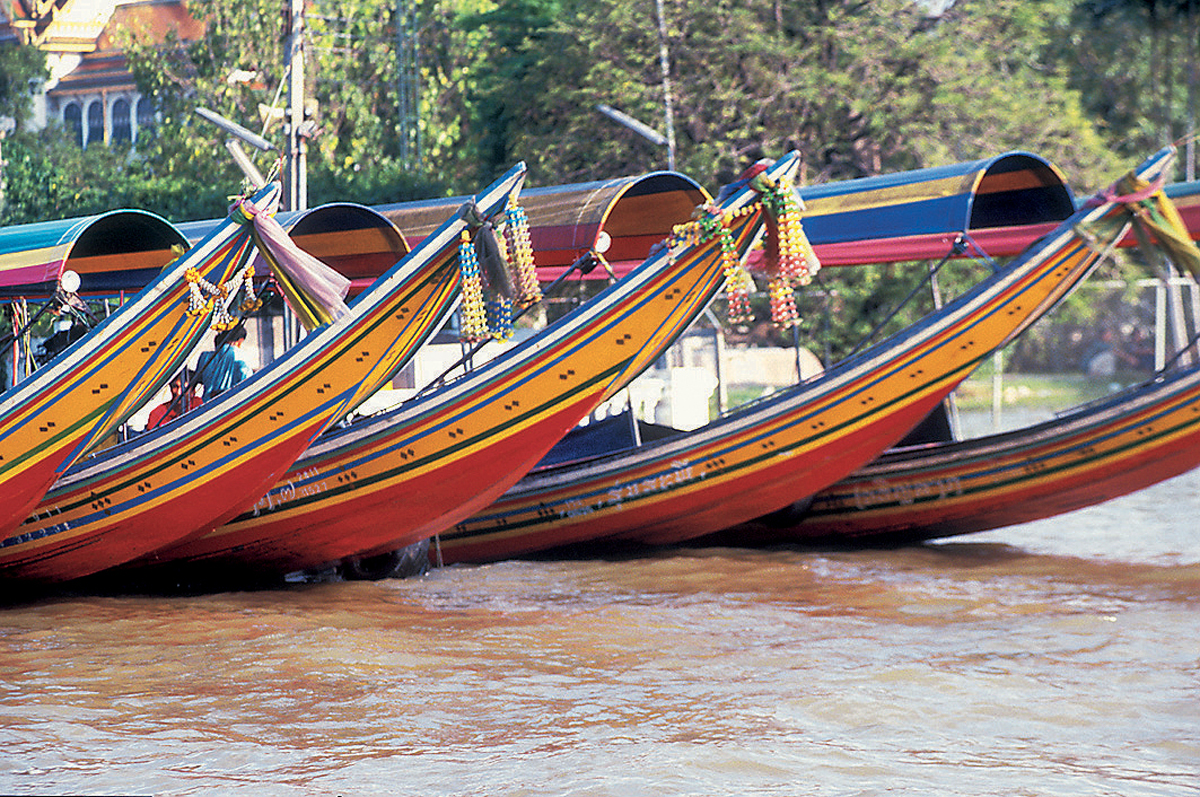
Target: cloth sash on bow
x=315, y=291
x=1156, y=215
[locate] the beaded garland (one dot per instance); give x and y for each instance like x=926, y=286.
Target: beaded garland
x=473, y=315
x=708, y=222
x=500, y=317
x=492, y=318
x=521, y=248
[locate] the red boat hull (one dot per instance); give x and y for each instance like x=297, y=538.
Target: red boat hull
x=943, y=490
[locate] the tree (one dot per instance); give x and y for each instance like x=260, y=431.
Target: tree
x=20, y=66
x=859, y=87
x=1137, y=65
x=238, y=69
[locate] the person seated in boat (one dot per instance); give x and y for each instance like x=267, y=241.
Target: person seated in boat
x=177, y=405
x=223, y=367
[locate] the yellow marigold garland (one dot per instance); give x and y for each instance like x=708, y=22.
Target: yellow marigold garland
x=797, y=260
x=204, y=296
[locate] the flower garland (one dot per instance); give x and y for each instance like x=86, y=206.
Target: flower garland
x=205, y=297
x=492, y=317
x=708, y=222
x=500, y=317
x=791, y=258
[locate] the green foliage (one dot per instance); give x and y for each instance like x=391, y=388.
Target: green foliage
x=19, y=66
x=859, y=87
x=1135, y=64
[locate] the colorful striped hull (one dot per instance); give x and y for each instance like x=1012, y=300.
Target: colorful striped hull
x=769, y=454
x=53, y=417
x=1098, y=452
x=189, y=476
x=402, y=476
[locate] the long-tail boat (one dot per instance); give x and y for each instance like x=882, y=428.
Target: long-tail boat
x=766, y=455
x=207, y=466
x=63, y=409
x=1096, y=452
x=401, y=476
x=1084, y=456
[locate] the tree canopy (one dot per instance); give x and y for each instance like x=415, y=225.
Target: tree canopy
x=859, y=87
x=421, y=98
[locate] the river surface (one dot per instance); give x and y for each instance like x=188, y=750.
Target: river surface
x=1055, y=658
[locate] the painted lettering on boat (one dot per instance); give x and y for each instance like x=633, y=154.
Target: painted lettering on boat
x=300, y=487
x=881, y=492
x=618, y=494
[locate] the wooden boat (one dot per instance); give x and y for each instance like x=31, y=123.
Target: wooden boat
x=1112, y=447
x=401, y=476
x=801, y=440
x=938, y=487
x=62, y=410
x=192, y=474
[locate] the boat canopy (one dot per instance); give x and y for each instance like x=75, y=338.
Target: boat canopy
x=921, y=214
x=1186, y=198
x=1000, y=203
x=113, y=252
x=620, y=218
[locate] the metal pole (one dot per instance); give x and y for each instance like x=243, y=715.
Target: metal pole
x=665, y=65
x=297, y=146
x=408, y=83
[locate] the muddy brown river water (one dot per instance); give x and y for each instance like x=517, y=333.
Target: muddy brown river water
x=1056, y=658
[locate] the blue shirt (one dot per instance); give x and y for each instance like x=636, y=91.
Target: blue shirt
x=220, y=370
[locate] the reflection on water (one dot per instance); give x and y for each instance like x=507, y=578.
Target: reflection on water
x=1054, y=658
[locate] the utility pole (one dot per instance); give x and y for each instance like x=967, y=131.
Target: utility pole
x=297, y=144
x=664, y=62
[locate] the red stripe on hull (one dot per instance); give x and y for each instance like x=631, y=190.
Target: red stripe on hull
x=427, y=503
x=199, y=509
x=779, y=483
